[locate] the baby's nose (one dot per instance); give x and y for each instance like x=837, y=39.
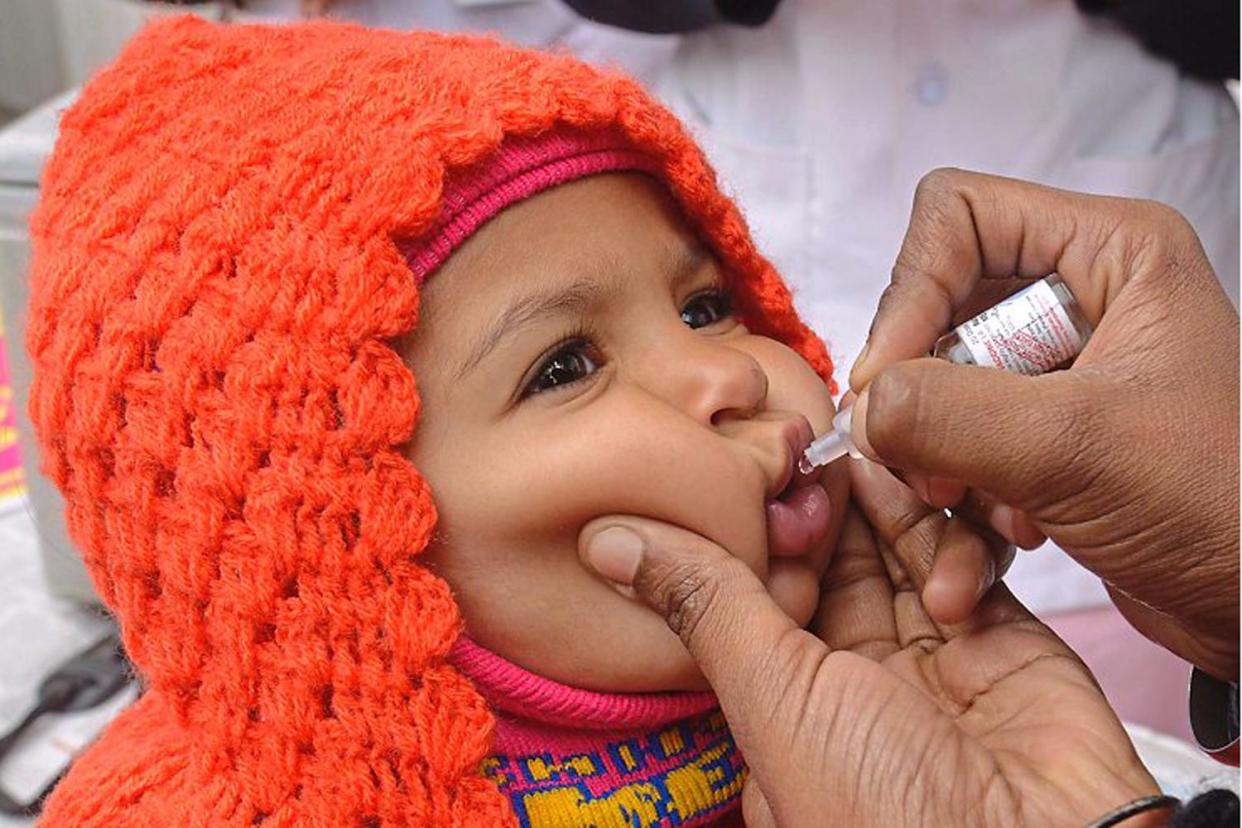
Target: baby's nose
x=716, y=382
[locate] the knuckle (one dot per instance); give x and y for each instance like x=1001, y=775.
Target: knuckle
x=939, y=182
x=939, y=241
x=920, y=540
x=1161, y=234
x=1137, y=237
x=934, y=196
x=1164, y=218
x=689, y=595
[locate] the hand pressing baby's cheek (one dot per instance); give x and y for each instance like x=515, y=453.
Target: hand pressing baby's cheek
x=578, y=357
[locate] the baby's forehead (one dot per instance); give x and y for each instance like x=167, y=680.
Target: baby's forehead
x=586, y=239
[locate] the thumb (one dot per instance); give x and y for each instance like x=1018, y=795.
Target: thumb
x=748, y=649
x=1027, y=441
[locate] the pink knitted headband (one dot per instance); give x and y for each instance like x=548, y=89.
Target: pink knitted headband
x=522, y=168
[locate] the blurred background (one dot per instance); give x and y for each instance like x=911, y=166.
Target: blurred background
x=820, y=117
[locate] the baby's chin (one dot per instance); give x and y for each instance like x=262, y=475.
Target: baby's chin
x=794, y=585
x=687, y=677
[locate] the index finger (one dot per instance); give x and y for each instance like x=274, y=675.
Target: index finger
x=901, y=520
x=967, y=226
x=949, y=562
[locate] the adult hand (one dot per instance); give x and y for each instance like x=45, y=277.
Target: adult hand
x=878, y=716
x=1129, y=460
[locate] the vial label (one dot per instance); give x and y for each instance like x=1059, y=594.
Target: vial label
x=1028, y=333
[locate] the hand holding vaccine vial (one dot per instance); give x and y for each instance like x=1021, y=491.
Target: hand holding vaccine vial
x=1036, y=330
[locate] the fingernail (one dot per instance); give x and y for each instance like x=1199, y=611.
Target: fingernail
x=858, y=363
x=921, y=486
x=1004, y=523
x=615, y=553
x=986, y=578
x=858, y=424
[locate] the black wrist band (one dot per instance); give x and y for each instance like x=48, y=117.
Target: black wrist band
x=1216, y=808
x=1138, y=806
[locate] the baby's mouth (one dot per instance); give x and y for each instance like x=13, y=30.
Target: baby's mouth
x=799, y=516
x=798, y=519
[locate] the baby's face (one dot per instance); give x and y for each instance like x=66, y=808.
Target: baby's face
x=577, y=357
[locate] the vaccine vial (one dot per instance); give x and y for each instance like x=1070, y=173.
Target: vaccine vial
x=1038, y=329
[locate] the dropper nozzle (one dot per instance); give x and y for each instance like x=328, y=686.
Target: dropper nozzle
x=833, y=445
x=1044, y=314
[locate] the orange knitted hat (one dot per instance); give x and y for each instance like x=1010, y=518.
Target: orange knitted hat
x=215, y=293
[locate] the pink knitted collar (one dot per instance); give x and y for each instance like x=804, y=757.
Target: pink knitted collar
x=570, y=757
x=511, y=689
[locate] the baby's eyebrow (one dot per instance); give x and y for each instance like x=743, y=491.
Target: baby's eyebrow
x=531, y=308
x=573, y=299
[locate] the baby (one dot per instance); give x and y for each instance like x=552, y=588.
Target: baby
x=341, y=337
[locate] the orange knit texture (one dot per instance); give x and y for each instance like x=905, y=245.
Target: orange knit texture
x=215, y=294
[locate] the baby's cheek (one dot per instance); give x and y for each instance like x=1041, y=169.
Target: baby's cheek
x=809, y=395
x=792, y=384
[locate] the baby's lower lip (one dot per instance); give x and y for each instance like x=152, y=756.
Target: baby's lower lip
x=798, y=520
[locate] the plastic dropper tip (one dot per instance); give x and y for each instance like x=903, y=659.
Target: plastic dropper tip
x=831, y=446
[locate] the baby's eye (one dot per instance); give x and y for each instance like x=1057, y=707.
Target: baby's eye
x=707, y=308
x=570, y=363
